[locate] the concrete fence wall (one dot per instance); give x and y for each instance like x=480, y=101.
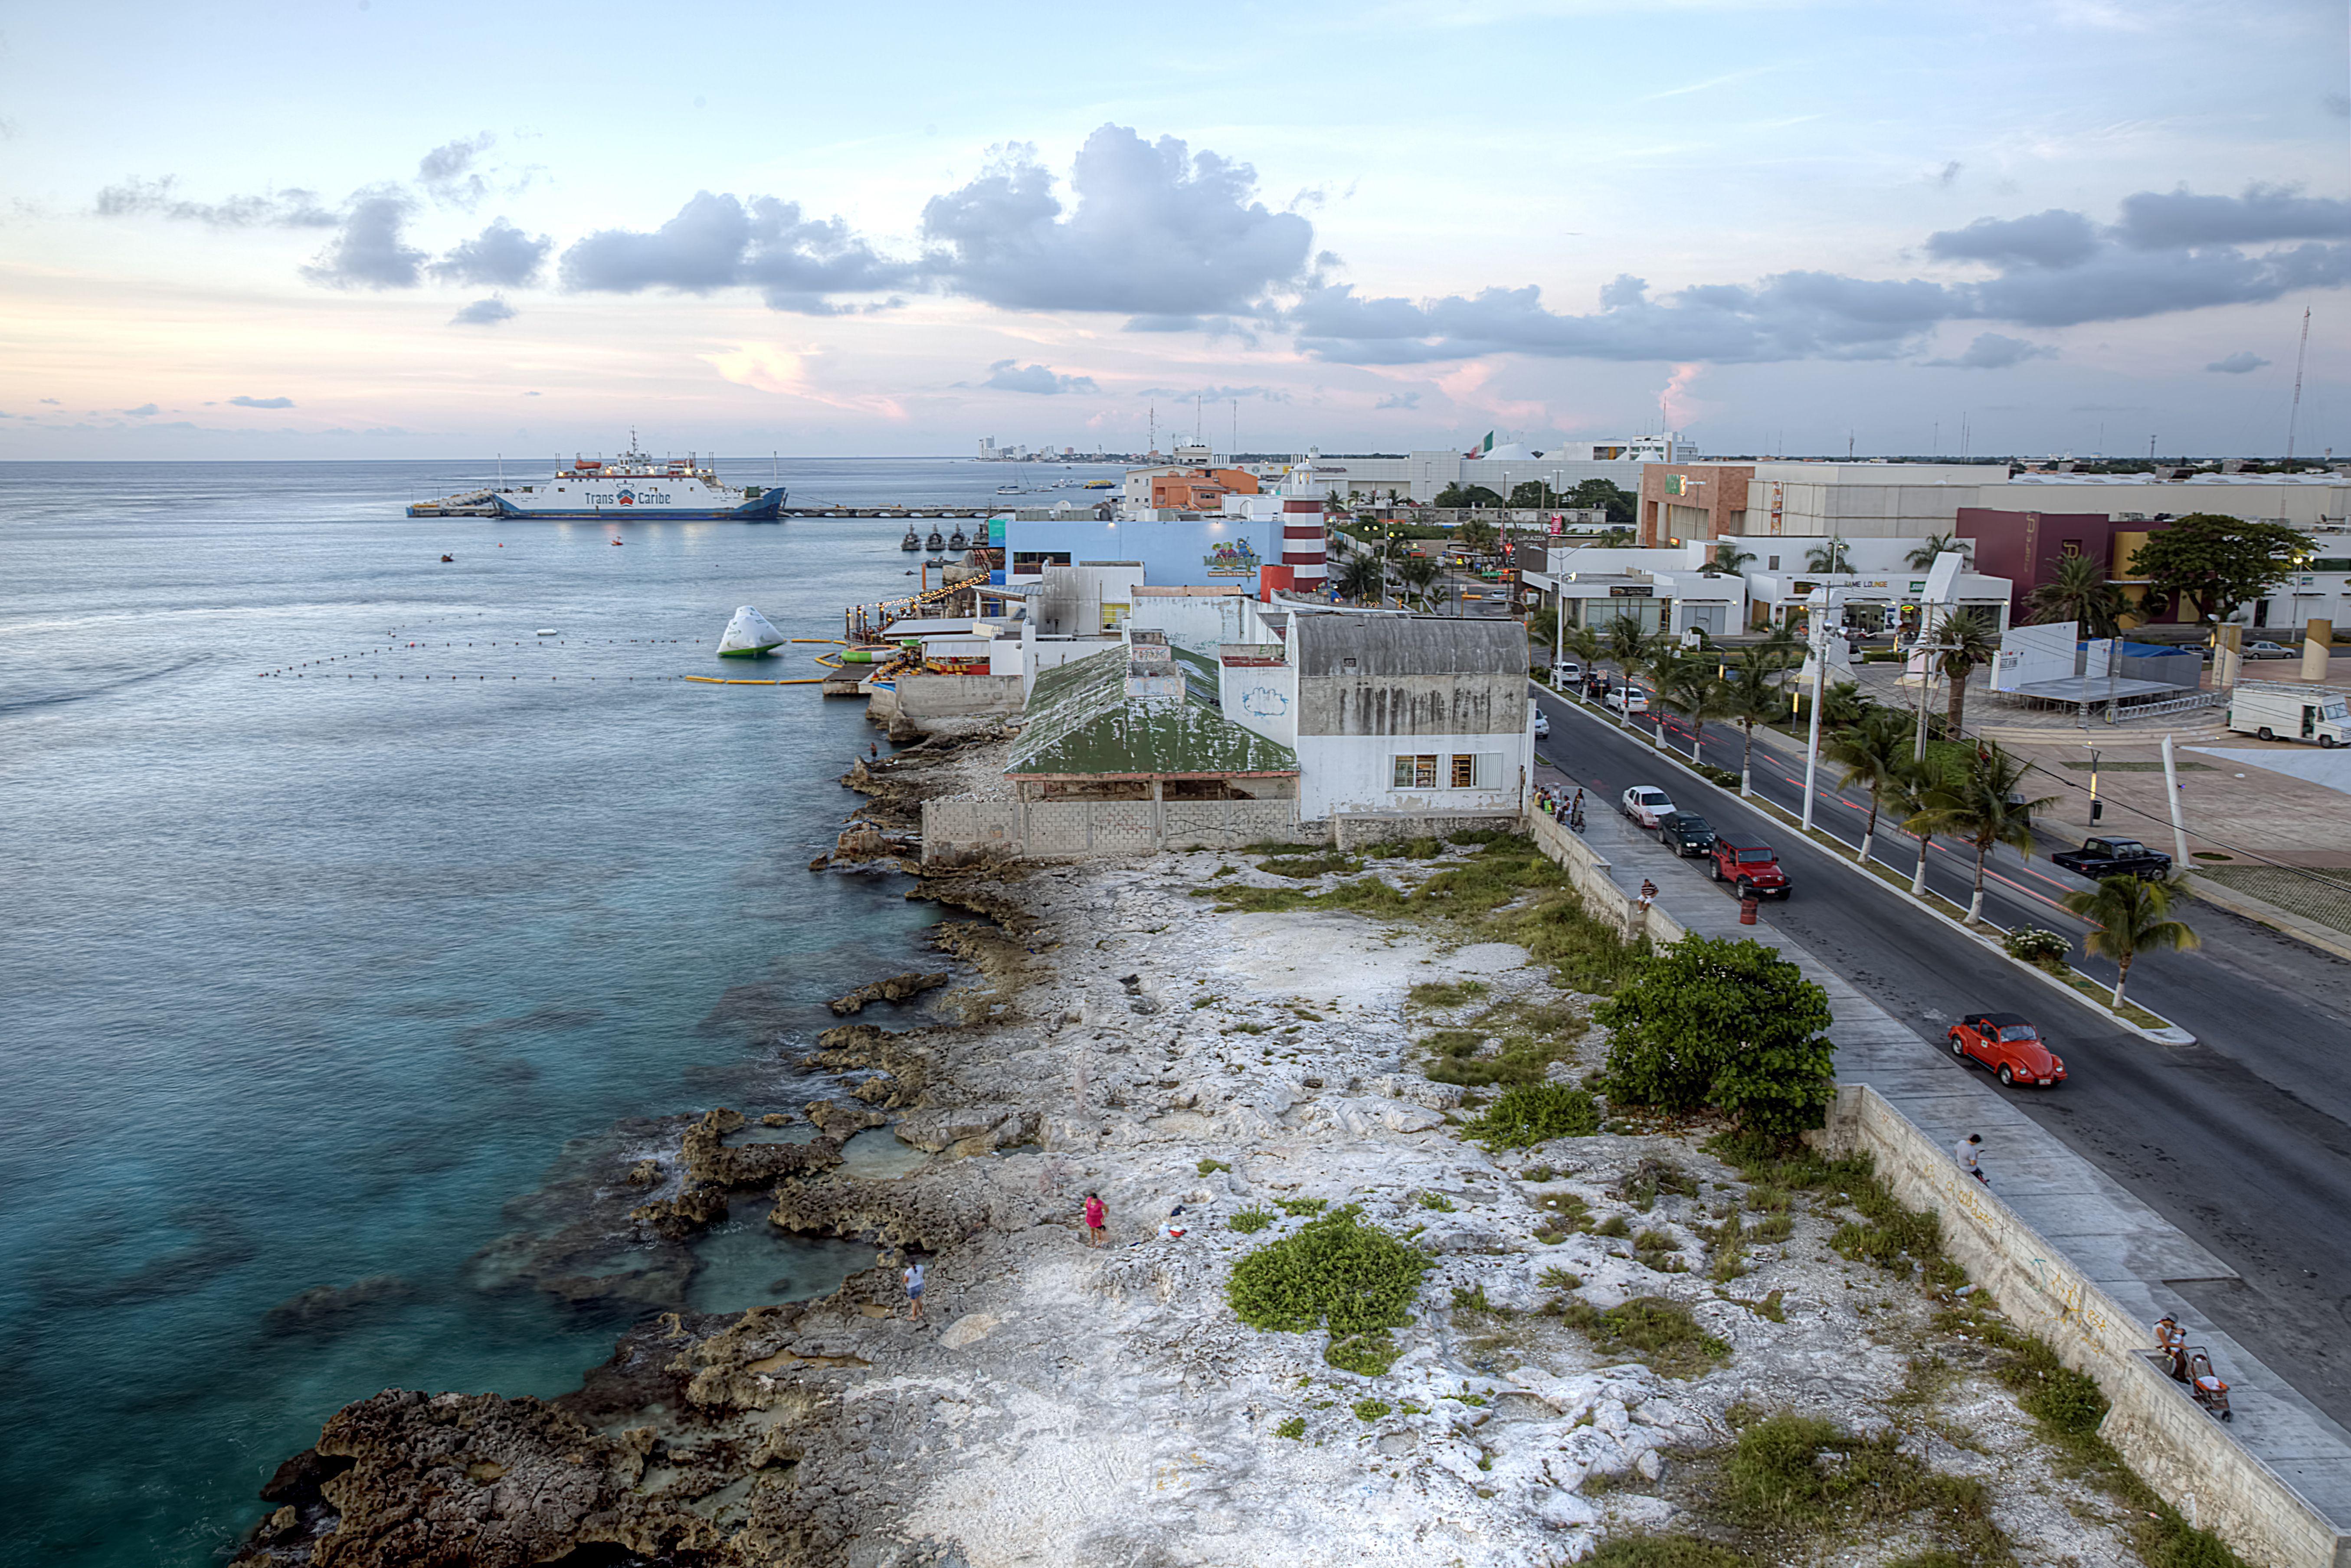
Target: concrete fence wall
x=959, y=828
x=1589, y=875
x=2189, y=1459
x=923, y=700
x=1358, y=830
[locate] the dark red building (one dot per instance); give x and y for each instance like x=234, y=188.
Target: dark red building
x=2025, y=548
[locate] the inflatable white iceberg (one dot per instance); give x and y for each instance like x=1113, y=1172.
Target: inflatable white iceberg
x=749, y=635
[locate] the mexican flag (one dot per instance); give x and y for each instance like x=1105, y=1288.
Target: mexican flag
x=1482, y=448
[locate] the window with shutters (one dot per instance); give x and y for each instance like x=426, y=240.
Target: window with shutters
x=1415, y=773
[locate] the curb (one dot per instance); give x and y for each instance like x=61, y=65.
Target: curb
x=2170, y=1034
x=2262, y=911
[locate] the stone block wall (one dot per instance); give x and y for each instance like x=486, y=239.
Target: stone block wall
x=958, y=829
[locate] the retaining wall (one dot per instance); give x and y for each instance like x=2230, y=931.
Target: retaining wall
x=960, y=827
x=1589, y=875
x=1354, y=829
x=2189, y=1459
x=923, y=700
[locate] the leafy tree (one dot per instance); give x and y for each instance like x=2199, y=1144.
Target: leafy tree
x=1619, y=504
x=1615, y=537
x=1362, y=579
x=2217, y=563
x=1843, y=705
x=1458, y=495
x=2079, y=592
x=1968, y=640
x=1873, y=754
x=1753, y=697
x=2128, y=917
x=1832, y=557
x=1727, y=559
x=1979, y=803
x=1532, y=493
x=1923, y=557
x=1730, y=1024
x=1477, y=535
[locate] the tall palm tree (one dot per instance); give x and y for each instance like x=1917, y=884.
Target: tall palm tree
x=1781, y=647
x=1420, y=574
x=2079, y=592
x=1629, y=647
x=1363, y=578
x=1583, y=642
x=1912, y=781
x=1967, y=641
x=1831, y=557
x=1753, y=697
x=1979, y=803
x=1922, y=557
x=1690, y=687
x=2127, y=917
x=1728, y=558
x=1872, y=754
x=1476, y=534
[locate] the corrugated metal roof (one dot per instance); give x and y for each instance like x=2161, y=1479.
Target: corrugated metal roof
x=1080, y=720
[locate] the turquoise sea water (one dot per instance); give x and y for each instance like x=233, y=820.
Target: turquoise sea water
x=308, y=974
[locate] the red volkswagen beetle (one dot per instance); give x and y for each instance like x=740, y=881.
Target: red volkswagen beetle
x=2011, y=1046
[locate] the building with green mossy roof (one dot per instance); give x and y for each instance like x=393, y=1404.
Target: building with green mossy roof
x=1140, y=721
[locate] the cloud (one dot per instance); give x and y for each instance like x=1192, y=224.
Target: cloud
x=2121, y=284
x=369, y=254
x=718, y=242
x=1006, y=376
x=2056, y=238
x=1399, y=400
x=261, y=401
x=484, y=313
x=297, y=208
x=144, y=411
x=2237, y=364
x=448, y=173
x=1950, y=173
x=770, y=368
x=1216, y=393
x=53, y=403
x=1154, y=231
x=2264, y=213
x=1995, y=351
x=501, y=255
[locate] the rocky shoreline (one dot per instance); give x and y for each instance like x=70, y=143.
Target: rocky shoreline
x=1187, y=1030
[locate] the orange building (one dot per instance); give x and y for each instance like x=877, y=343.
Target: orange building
x=1200, y=489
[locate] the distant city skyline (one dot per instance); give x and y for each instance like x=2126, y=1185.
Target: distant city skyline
x=398, y=228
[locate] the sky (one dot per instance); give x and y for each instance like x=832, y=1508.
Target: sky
x=408, y=228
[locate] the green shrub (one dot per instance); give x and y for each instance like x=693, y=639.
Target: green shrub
x=1528, y=1114
x=2034, y=946
x=1298, y=1208
x=1730, y=1024
x=1293, y=1428
x=1615, y=1225
x=1369, y=1409
x=1558, y=1279
x=1661, y=1551
x=1303, y=868
x=1365, y=1355
x=1205, y=1167
x=1250, y=1219
x=1655, y=1330
x=1436, y=1200
x=1336, y=1272
x=1446, y=993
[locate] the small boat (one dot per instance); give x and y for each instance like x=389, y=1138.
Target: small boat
x=956, y=540
x=1009, y=490
x=935, y=541
x=748, y=636
x=544, y=631
x=616, y=541
x=448, y=558
x=910, y=542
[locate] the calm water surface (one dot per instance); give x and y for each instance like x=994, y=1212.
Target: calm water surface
x=306, y=976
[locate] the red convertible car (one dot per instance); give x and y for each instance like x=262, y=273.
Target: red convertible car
x=2011, y=1046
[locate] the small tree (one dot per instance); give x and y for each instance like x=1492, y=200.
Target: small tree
x=1363, y=578
x=2128, y=917
x=1832, y=557
x=1923, y=557
x=1419, y=574
x=1753, y=697
x=1628, y=645
x=1872, y=754
x=1967, y=641
x=1691, y=688
x=1727, y=559
x=2079, y=592
x=1980, y=803
x=1730, y=1024
x=2216, y=562
x=1583, y=642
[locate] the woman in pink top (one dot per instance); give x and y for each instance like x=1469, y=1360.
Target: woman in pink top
x=1093, y=1219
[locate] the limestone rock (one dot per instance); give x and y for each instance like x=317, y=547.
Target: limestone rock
x=897, y=989
x=837, y=1121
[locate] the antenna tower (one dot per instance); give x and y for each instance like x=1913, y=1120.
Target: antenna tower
x=2295, y=413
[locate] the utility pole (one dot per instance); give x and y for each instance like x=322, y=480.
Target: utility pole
x=1820, y=641
x=2295, y=413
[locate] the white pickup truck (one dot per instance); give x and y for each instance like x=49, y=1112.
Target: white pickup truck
x=2276, y=711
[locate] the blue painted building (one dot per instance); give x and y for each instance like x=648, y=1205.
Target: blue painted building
x=1194, y=552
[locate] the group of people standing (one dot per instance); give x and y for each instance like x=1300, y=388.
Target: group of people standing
x=1555, y=804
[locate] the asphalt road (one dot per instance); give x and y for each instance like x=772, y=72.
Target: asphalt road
x=2243, y=1139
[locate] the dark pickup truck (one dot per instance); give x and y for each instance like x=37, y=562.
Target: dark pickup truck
x=1685, y=833
x=2101, y=858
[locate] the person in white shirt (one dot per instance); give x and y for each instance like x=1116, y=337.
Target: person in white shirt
x=1964, y=1151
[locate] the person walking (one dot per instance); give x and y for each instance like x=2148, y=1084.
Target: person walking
x=913, y=1276
x=1093, y=1219
x=1965, y=1152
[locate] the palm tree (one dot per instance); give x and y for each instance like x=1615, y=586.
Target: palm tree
x=1781, y=647
x=1583, y=642
x=1690, y=687
x=1420, y=574
x=1966, y=640
x=1727, y=559
x=2127, y=917
x=2079, y=593
x=1831, y=557
x=1872, y=754
x=1363, y=578
x=1476, y=534
x=1629, y=646
x=1910, y=785
x=1922, y=557
x=1979, y=803
x=1616, y=538
x=1753, y=697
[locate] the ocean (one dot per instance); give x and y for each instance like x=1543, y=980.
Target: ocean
x=342, y=912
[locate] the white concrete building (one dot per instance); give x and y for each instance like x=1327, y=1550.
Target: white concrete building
x=1861, y=500
x=1670, y=589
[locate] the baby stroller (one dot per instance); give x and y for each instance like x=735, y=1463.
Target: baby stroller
x=2204, y=1384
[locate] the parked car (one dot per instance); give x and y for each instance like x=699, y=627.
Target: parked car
x=1566, y=674
x=1685, y=833
x=1751, y=868
x=2011, y=1046
x=1595, y=685
x=1542, y=725
x=1646, y=804
x=2265, y=650
x=2100, y=858
x=1626, y=700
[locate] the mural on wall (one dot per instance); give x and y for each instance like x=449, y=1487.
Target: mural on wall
x=1265, y=701
x=1236, y=557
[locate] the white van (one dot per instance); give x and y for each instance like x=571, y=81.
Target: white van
x=2275, y=711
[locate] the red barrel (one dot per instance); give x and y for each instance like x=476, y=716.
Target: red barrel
x=1747, y=909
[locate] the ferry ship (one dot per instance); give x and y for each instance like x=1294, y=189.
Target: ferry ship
x=637, y=485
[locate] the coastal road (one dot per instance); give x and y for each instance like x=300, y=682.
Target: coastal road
x=2243, y=1139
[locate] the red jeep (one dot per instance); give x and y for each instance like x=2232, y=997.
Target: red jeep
x=1753, y=867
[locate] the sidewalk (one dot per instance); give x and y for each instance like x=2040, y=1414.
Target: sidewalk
x=2125, y=1246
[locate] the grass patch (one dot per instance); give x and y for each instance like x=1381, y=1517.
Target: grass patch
x=1249, y=1221
x=1615, y=1225
x=1304, y=868
x=1446, y=993
x=1796, y=1478
x=1661, y=1551
x=1199, y=1002
x=1300, y=1207
x=1294, y=1428
x=1557, y=1279
x=1436, y=1200
x=1371, y=1410
x=1336, y=1272
x=1649, y=1329
x=1528, y=1114
x=1652, y=1176
x=1205, y=1167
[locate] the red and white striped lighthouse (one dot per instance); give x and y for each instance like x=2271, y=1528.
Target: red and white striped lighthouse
x=1302, y=527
